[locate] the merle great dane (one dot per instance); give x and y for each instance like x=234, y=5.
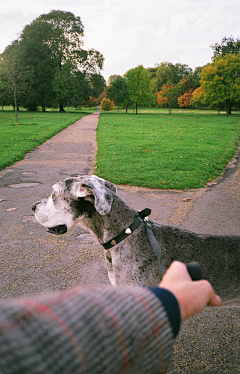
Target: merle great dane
x=92, y=203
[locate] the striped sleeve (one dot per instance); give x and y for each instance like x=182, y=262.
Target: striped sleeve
x=91, y=329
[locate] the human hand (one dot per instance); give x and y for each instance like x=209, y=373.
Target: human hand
x=192, y=296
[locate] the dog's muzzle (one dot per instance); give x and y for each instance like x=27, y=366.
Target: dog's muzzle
x=58, y=230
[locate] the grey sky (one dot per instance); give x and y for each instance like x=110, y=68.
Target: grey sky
x=136, y=32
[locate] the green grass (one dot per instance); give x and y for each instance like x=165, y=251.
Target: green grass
x=33, y=129
x=183, y=150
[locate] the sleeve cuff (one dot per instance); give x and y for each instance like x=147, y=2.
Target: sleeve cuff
x=171, y=307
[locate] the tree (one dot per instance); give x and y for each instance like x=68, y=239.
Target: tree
x=66, y=44
x=168, y=73
x=92, y=102
x=198, y=96
x=164, y=75
x=167, y=96
x=107, y=104
x=195, y=76
x=51, y=48
x=37, y=58
x=221, y=81
x=97, y=84
x=185, y=90
x=4, y=84
x=227, y=46
x=139, y=86
x=118, y=91
x=181, y=71
x=185, y=85
x=64, y=85
x=11, y=70
x=185, y=99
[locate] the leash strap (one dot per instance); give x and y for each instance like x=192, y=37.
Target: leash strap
x=155, y=245
x=124, y=234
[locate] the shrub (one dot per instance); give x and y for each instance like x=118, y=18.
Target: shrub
x=107, y=104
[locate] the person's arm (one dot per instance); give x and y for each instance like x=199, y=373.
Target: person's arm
x=91, y=329
x=100, y=329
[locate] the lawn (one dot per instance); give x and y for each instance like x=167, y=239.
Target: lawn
x=33, y=129
x=183, y=150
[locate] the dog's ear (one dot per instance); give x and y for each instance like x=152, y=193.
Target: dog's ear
x=109, y=185
x=97, y=187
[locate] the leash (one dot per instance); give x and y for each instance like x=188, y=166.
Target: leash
x=155, y=245
x=194, y=269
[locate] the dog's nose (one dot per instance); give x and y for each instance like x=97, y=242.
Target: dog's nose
x=35, y=206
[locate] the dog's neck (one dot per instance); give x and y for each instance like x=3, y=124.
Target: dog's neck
x=108, y=226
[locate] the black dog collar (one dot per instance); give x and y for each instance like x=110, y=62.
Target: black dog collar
x=128, y=231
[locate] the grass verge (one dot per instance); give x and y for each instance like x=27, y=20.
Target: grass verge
x=183, y=150
x=33, y=129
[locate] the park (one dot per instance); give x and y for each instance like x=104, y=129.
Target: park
x=167, y=136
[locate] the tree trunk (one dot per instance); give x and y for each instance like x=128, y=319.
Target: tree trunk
x=229, y=108
x=136, y=109
x=61, y=107
x=15, y=101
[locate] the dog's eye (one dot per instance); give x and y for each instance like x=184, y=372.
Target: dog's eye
x=53, y=194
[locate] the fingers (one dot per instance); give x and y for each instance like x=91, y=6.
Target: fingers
x=192, y=296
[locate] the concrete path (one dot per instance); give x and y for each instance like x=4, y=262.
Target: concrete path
x=34, y=261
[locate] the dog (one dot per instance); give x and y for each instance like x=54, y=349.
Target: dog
x=92, y=203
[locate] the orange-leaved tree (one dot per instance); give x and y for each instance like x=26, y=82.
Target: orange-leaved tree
x=185, y=99
x=185, y=90
x=167, y=96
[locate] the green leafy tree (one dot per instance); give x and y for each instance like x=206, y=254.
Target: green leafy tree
x=164, y=75
x=66, y=44
x=13, y=74
x=168, y=73
x=195, y=76
x=51, y=48
x=221, y=81
x=111, y=79
x=37, y=58
x=226, y=47
x=64, y=85
x=118, y=91
x=198, y=97
x=139, y=86
x=97, y=84
x=4, y=84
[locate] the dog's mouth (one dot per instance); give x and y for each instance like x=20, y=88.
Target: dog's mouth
x=57, y=230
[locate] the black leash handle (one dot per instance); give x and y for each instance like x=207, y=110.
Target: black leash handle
x=193, y=268
x=195, y=271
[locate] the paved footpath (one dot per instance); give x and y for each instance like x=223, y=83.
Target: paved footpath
x=34, y=261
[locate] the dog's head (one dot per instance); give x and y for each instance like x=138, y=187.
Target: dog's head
x=73, y=199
